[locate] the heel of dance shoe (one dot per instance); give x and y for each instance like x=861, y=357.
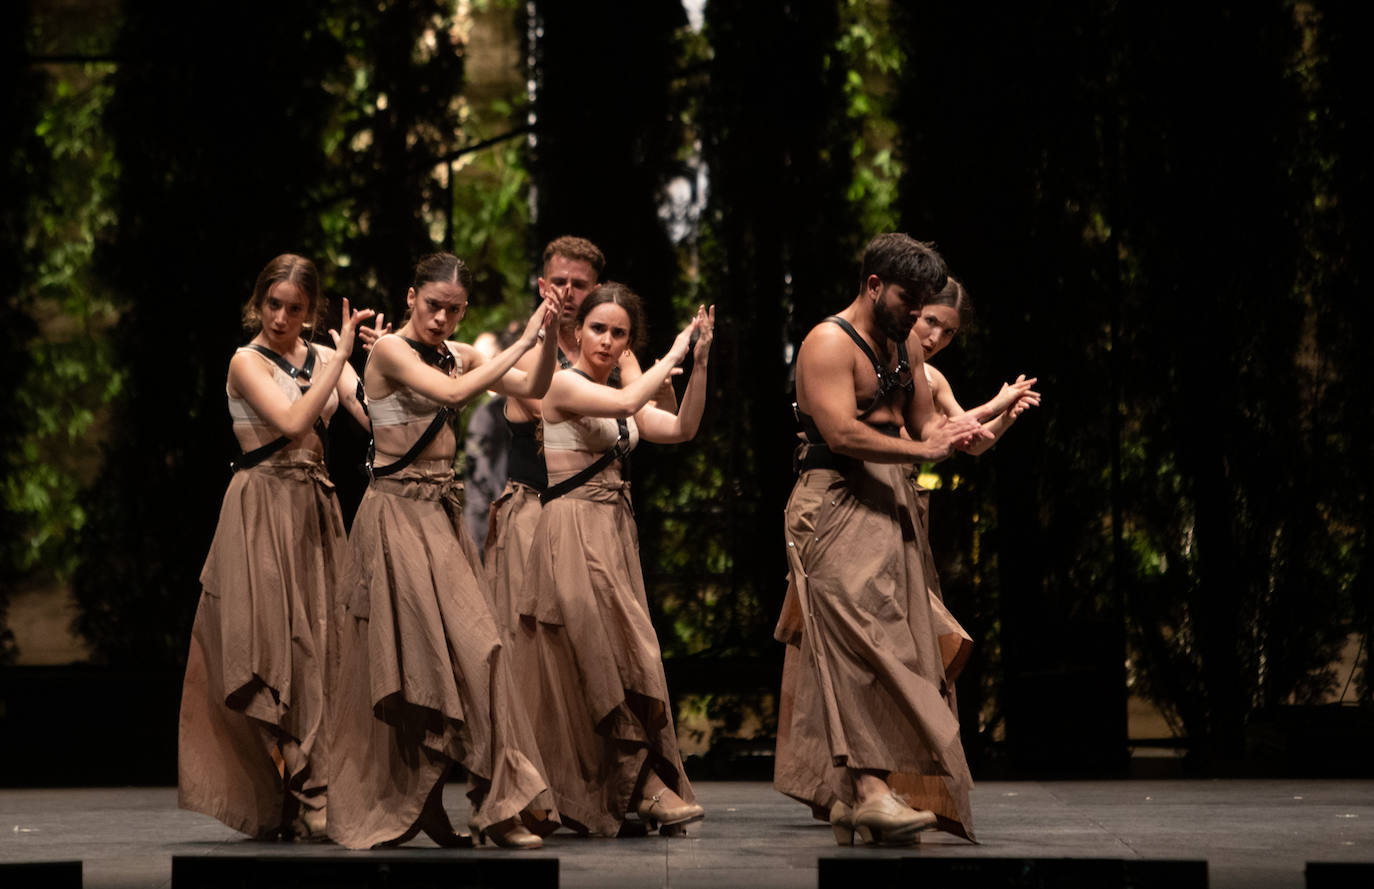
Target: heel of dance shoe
x=842, y=824
x=877, y=836
x=887, y=821
x=669, y=821
x=517, y=836
x=309, y=826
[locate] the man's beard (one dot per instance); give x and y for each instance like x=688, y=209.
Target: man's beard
x=892, y=326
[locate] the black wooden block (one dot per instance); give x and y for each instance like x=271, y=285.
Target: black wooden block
x=1340, y=874
x=45, y=874
x=1010, y=873
x=484, y=870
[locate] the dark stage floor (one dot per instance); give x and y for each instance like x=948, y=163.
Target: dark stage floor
x=1253, y=834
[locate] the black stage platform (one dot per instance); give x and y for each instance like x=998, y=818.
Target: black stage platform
x=1252, y=834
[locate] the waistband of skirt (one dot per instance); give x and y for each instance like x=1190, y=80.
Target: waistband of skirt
x=435, y=473
x=300, y=464
x=293, y=457
x=438, y=468
x=606, y=486
x=608, y=476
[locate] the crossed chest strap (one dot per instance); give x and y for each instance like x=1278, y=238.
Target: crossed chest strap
x=301, y=375
x=618, y=451
x=440, y=358
x=817, y=454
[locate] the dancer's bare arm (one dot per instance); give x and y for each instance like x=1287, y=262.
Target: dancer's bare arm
x=825, y=390
x=665, y=427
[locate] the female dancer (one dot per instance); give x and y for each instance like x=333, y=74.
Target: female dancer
x=939, y=321
x=423, y=676
x=251, y=744
x=576, y=264
x=588, y=658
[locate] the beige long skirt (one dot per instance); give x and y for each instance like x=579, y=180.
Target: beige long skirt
x=424, y=679
x=251, y=729
x=589, y=661
x=510, y=531
x=872, y=650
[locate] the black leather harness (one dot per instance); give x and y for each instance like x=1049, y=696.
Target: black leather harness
x=441, y=359
x=618, y=451
x=249, y=459
x=815, y=453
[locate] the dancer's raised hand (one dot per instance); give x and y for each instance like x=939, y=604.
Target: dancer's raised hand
x=349, y=326
x=369, y=335
x=556, y=300
x=683, y=341
x=1011, y=393
x=706, y=329
x=545, y=314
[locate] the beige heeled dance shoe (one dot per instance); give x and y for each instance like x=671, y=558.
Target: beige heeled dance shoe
x=842, y=823
x=309, y=826
x=669, y=820
x=508, y=834
x=887, y=821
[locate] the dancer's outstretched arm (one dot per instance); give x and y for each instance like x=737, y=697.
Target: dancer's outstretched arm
x=662, y=426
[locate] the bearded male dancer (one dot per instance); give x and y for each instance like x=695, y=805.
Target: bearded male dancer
x=868, y=731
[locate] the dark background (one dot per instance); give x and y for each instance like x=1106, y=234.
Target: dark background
x=1161, y=209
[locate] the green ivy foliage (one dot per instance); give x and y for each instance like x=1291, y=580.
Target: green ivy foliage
x=1166, y=225
x=71, y=376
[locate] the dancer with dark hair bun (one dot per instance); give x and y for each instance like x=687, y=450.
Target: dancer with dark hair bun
x=252, y=747
x=943, y=315
x=589, y=662
x=424, y=675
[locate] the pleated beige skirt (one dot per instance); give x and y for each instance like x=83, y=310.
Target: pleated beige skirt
x=872, y=650
x=510, y=531
x=589, y=661
x=424, y=679
x=251, y=728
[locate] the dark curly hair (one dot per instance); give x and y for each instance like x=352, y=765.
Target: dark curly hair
x=900, y=259
x=573, y=247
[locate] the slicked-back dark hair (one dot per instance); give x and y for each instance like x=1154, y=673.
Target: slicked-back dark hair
x=620, y=295
x=443, y=268
x=956, y=297
x=898, y=258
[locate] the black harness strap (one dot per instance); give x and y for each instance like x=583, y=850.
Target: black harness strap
x=291, y=370
x=816, y=454
x=444, y=362
x=888, y=380
x=249, y=459
x=564, y=363
x=617, y=451
x=440, y=356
